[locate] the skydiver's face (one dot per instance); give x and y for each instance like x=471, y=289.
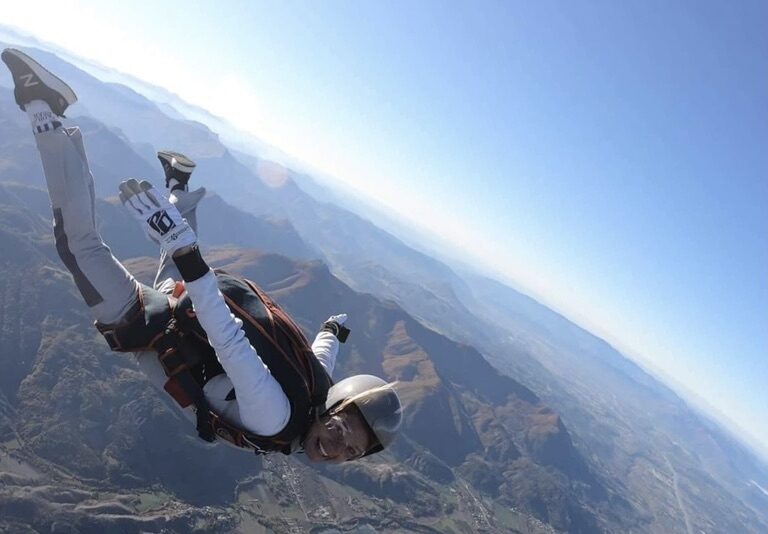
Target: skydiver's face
x=337, y=438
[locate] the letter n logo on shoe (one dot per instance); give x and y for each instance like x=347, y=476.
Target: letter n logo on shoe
x=161, y=222
x=29, y=79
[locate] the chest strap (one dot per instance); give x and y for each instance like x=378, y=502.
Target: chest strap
x=181, y=384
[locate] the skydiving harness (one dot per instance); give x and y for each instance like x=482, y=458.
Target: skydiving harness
x=167, y=325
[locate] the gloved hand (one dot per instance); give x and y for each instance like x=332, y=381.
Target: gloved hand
x=335, y=325
x=160, y=219
x=340, y=318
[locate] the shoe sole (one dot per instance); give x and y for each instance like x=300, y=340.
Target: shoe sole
x=178, y=161
x=47, y=78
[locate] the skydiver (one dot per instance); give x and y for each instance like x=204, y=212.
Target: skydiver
x=236, y=364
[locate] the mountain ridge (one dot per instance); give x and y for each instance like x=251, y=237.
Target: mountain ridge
x=636, y=444
x=72, y=389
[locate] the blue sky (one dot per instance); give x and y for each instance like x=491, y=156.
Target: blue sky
x=609, y=157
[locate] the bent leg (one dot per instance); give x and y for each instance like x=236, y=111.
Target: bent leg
x=106, y=286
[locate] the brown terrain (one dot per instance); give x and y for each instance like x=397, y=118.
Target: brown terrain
x=558, y=433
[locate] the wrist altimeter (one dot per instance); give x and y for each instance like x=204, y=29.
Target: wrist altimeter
x=339, y=330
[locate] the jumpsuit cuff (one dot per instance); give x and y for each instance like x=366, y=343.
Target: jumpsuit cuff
x=191, y=265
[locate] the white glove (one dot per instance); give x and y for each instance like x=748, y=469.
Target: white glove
x=338, y=319
x=160, y=219
x=335, y=325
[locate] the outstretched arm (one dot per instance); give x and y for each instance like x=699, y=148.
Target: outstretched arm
x=326, y=343
x=264, y=407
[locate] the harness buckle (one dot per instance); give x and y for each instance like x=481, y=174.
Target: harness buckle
x=173, y=363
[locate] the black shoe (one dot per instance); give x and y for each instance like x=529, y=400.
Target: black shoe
x=177, y=167
x=32, y=81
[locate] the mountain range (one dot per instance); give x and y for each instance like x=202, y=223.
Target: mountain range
x=517, y=420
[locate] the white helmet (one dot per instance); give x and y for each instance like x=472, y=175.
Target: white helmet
x=377, y=401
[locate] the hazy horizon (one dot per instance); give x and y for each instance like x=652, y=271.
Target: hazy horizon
x=642, y=231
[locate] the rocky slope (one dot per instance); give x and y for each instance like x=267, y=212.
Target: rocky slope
x=622, y=453
x=86, y=441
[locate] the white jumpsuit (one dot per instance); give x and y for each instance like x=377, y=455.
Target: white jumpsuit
x=110, y=291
